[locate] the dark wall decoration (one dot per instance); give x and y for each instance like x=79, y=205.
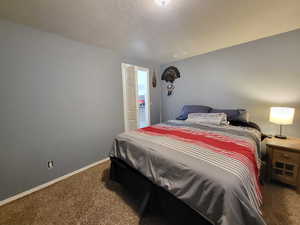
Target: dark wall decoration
x=169, y=75
x=154, y=80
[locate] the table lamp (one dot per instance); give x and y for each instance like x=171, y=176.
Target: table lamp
x=282, y=116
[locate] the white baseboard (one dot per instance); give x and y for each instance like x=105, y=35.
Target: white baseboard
x=42, y=186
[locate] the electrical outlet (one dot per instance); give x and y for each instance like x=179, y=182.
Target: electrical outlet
x=50, y=164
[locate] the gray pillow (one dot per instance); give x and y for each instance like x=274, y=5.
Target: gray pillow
x=187, y=109
x=233, y=114
x=208, y=118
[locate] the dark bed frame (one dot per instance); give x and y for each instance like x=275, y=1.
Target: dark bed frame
x=148, y=196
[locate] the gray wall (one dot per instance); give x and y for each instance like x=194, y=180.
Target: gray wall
x=254, y=76
x=60, y=100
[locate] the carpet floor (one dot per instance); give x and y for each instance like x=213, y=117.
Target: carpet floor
x=89, y=198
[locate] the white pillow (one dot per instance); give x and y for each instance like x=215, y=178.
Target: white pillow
x=208, y=118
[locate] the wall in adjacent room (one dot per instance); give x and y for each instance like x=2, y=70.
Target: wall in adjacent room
x=60, y=100
x=255, y=76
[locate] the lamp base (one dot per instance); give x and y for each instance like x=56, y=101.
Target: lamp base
x=281, y=136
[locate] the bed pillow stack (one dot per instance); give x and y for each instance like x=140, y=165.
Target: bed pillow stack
x=241, y=115
x=187, y=109
x=233, y=114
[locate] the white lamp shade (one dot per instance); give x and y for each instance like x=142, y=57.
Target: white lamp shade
x=282, y=115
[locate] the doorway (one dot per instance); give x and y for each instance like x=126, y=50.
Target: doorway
x=136, y=95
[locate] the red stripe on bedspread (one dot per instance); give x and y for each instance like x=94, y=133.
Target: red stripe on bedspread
x=229, y=145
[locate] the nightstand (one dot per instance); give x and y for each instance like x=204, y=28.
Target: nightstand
x=284, y=160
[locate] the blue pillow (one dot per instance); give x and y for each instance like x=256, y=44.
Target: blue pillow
x=192, y=109
x=233, y=114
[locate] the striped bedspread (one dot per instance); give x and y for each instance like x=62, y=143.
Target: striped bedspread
x=213, y=169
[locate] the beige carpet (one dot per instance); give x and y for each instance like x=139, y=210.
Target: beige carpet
x=89, y=199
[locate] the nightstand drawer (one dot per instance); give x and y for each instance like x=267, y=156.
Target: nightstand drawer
x=285, y=166
x=285, y=156
x=287, y=174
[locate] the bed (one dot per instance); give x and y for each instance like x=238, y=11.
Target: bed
x=214, y=170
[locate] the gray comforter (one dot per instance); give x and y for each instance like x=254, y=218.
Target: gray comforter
x=213, y=169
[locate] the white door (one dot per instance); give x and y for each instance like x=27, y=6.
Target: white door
x=130, y=97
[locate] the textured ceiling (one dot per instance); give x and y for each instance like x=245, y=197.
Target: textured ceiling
x=142, y=29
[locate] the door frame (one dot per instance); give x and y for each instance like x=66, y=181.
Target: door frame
x=148, y=96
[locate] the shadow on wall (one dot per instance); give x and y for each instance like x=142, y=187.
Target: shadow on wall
x=254, y=76
x=259, y=110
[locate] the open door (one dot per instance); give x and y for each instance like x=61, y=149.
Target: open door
x=130, y=97
x=136, y=94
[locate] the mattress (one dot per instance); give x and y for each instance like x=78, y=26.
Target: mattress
x=213, y=169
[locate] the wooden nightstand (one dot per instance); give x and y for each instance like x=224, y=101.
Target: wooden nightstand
x=284, y=160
